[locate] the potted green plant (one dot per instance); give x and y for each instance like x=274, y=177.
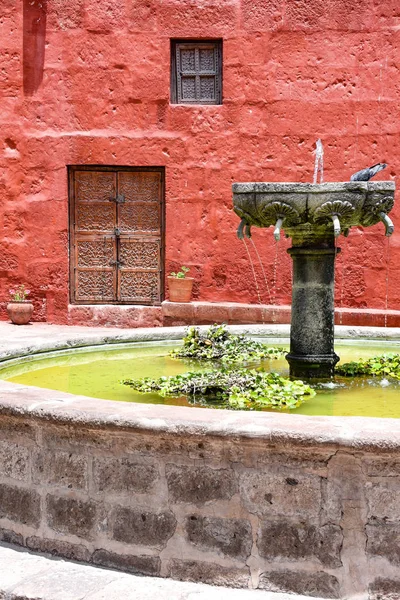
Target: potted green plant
x=180, y=286
x=19, y=308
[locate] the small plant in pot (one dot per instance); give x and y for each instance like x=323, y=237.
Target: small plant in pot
x=180, y=286
x=19, y=308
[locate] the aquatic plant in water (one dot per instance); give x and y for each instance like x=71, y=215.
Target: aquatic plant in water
x=386, y=365
x=218, y=344
x=236, y=389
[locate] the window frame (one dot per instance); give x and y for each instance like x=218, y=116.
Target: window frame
x=196, y=43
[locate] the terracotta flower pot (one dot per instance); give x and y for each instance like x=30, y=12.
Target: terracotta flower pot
x=180, y=290
x=20, y=312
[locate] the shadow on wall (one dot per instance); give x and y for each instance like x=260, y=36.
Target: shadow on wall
x=34, y=37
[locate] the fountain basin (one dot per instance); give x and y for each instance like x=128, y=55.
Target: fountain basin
x=307, y=208
x=278, y=502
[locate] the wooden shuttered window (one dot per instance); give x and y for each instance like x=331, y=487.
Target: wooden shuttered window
x=116, y=235
x=196, y=72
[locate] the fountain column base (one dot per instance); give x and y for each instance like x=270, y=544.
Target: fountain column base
x=312, y=366
x=312, y=326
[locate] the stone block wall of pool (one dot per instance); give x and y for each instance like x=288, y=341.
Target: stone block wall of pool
x=278, y=502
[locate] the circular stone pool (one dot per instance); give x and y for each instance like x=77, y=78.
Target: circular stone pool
x=262, y=500
x=98, y=373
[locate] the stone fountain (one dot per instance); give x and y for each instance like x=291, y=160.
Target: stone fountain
x=313, y=215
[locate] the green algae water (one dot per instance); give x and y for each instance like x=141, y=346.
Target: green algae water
x=98, y=373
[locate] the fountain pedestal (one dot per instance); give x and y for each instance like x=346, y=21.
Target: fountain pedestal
x=312, y=325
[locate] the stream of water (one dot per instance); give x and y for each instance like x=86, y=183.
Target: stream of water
x=319, y=162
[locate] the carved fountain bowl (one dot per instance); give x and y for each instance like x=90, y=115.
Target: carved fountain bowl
x=299, y=204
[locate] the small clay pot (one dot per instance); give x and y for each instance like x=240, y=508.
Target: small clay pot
x=180, y=290
x=20, y=312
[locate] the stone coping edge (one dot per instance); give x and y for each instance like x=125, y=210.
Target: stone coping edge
x=363, y=433
x=96, y=337
x=270, y=429
x=314, y=188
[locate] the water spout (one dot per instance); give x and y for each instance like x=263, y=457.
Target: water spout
x=387, y=221
x=243, y=230
x=277, y=230
x=239, y=231
x=336, y=225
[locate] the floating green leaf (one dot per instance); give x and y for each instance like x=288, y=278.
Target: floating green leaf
x=217, y=344
x=236, y=389
x=387, y=365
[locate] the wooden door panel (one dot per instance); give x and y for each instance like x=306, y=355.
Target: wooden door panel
x=140, y=211
x=94, y=186
x=95, y=206
x=141, y=287
x=138, y=186
x=94, y=245
x=95, y=216
x=139, y=253
x=95, y=271
x=139, y=272
x=95, y=252
x=95, y=285
x=140, y=217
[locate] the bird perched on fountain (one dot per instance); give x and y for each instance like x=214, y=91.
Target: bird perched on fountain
x=366, y=174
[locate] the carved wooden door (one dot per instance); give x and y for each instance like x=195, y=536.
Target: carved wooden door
x=116, y=233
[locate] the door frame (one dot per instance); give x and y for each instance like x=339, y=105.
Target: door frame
x=71, y=169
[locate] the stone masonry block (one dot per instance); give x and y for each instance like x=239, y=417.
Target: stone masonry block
x=71, y=516
x=141, y=527
x=13, y=429
x=211, y=312
x=318, y=584
x=10, y=537
x=145, y=565
x=211, y=573
x=61, y=468
x=198, y=485
x=123, y=475
x=299, y=541
x=383, y=540
x=109, y=15
x=73, y=439
x=20, y=505
x=261, y=16
x=58, y=548
x=384, y=499
x=232, y=537
x=269, y=494
x=179, y=310
x=382, y=466
x=65, y=15
x=14, y=461
x=384, y=589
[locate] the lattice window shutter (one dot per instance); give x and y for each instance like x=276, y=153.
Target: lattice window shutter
x=198, y=72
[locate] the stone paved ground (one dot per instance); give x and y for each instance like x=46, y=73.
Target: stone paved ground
x=28, y=576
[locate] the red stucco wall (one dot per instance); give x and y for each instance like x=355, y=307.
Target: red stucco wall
x=87, y=82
